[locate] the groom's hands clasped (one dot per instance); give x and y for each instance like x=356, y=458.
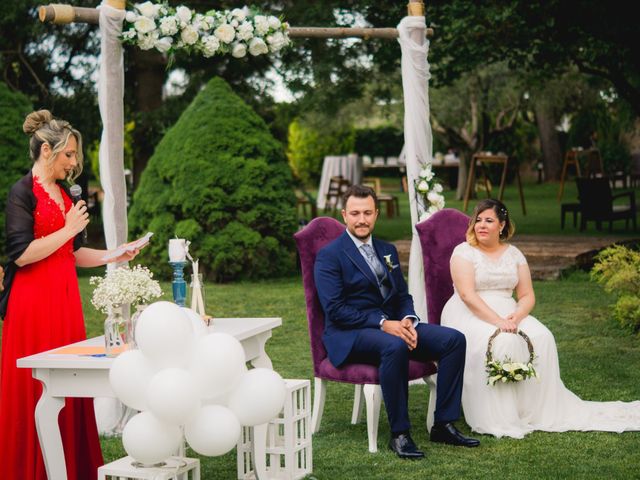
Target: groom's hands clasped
x=402, y=328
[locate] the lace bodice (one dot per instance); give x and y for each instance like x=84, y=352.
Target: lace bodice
x=48, y=217
x=499, y=274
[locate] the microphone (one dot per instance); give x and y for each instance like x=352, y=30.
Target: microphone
x=76, y=195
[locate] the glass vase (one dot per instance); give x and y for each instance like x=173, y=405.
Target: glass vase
x=117, y=332
x=197, y=298
x=134, y=322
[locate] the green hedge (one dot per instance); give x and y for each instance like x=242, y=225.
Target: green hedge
x=14, y=146
x=219, y=179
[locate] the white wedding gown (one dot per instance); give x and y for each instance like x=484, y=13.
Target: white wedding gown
x=515, y=409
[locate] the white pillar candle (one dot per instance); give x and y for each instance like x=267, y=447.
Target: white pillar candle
x=177, y=250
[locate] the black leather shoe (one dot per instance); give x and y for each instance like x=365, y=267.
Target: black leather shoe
x=404, y=447
x=449, y=434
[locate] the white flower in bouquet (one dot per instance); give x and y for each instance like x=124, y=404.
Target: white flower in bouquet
x=277, y=41
x=129, y=34
x=124, y=286
x=426, y=173
x=130, y=16
x=148, y=9
x=423, y=186
x=239, y=13
x=168, y=25
x=148, y=41
x=234, y=23
x=239, y=50
x=189, y=35
x=225, y=32
x=164, y=44
x=210, y=45
x=144, y=25
x=262, y=24
x=184, y=14
x=274, y=22
x=258, y=47
x=438, y=188
x=435, y=199
x=245, y=31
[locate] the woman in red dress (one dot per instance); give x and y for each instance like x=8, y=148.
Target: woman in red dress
x=41, y=301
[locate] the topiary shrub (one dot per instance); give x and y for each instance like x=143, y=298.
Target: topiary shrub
x=219, y=179
x=617, y=268
x=14, y=146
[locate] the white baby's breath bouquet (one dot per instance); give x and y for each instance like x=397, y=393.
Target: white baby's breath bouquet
x=238, y=31
x=428, y=193
x=123, y=286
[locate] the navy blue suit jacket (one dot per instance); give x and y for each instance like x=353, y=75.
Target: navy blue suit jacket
x=349, y=293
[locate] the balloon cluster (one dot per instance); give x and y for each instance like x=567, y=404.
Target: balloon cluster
x=183, y=376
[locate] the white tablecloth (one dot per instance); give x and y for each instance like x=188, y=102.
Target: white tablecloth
x=346, y=166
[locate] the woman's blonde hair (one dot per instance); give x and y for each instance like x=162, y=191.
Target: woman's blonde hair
x=43, y=128
x=503, y=216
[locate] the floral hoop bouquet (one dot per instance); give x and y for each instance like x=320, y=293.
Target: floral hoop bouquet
x=238, y=31
x=508, y=370
x=123, y=286
x=428, y=193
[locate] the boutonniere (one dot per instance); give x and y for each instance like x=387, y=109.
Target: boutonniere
x=389, y=263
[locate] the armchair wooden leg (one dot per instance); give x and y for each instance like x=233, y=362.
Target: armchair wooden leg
x=432, y=381
x=373, y=399
x=319, y=394
x=358, y=404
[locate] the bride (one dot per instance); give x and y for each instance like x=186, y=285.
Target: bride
x=485, y=271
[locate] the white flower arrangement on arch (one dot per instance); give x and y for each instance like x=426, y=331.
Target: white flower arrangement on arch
x=238, y=32
x=124, y=286
x=428, y=192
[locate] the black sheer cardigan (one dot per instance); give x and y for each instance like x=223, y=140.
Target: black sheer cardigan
x=21, y=204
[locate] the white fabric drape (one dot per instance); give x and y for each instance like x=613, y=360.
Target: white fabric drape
x=110, y=99
x=346, y=166
x=111, y=415
x=417, y=137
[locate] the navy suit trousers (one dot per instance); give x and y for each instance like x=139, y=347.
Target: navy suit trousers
x=391, y=354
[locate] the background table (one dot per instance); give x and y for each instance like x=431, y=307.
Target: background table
x=85, y=376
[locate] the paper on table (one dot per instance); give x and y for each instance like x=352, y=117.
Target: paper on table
x=89, y=350
x=141, y=242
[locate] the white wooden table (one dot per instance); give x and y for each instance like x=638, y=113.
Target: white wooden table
x=85, y=376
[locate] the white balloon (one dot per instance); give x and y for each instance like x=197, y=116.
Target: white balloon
x=213, y=431
x=259, y=396
x=218, y=362
x=148, y=440
x=200, y=328
x=164, y=334
x=129, y=376
x=173, y=395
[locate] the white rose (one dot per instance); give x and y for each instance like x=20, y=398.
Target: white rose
x=210, y=45
x=189, y=35
x=225, y=32
x=144, y=25
x=129, y=34
x=518, y=377
x=168, y=26
x=245, y=31
x=183, y=13
x=277, y=41
x=208, y=21
x=432, y=209
x=148, y=41
x=239, y=13
x=130, y=17
x=262, y=24
x=148, y=9
x=234, y=23
x=274, y=22
x=425, y=171
x=434, y=197
x=423, y=187
x=438, y=188
x=164, y=44
x=239, y=50
x=258, y=47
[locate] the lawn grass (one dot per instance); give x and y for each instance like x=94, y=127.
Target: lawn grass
x=598, y=361
x=542, y=218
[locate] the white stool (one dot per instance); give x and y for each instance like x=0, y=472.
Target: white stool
x=288, y=449
x=180, y=468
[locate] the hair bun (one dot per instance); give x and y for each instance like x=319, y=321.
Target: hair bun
x=35, y=120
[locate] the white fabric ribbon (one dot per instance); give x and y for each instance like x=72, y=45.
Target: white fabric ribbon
x=417, y=137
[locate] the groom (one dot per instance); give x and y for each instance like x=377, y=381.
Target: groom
x=369, y=318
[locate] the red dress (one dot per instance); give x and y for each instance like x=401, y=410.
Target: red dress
x=44, y=312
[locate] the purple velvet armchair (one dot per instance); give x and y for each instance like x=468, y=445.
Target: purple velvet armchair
x=309, y=241
x=439, y=235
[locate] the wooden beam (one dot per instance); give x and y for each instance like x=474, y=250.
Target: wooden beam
x=63, y=14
